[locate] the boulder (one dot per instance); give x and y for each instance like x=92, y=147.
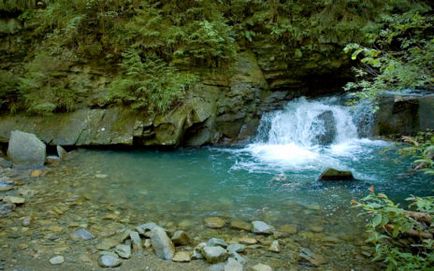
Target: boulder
x=332, y=174
x=181, y=238
x=109, y=260
x=161, y=243
x=233, y=265
x=26, y=150
x=325, y=125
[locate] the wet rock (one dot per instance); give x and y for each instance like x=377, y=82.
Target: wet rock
x=137, y=242
x=311, y=257
x=61, y=152
x=5, y=163
x=248, y=240
x=161, y=243
x=214, y=222
x=326, y=123
x=57, y=260
x=217, y=267
x=14, y=200
x=214, y=254
x=274, y=247
x=261, y=267
x=233, y=265
x=26, y=221
x=147, y=243
x=236, y=248
x=181, y=238
x=240, y=225
x=26, y=150
x=332, y=174
x=182, y=257
x=107, y=244
x=101, y=176
x=260, y=227
x=124, y=251
x=36, y=173
x=145, y=229
x=82, y=234
x=239, y=258
x=197, y=252
x=216, y=242
x=316, y=229
x=109, y=260
x=6, y=208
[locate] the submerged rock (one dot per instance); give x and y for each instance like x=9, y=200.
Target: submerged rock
x=332, y=174
x=161, y=243
x=182, y=257
x=261, y=267
x=124, y=251
x=233, y=265
x=82, y=234
x=274, y=247
x=181, y=238
x=240, y=225
x=216, y=242
x=236, y=248
x=6, y=208
x=26, y=150
x=214, y=222
x=260, y=227
x=57, y=260
x=311, y=257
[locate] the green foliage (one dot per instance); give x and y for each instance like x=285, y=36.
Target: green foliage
x=8, y=91
x=422, y=148
x=149, y=84
x=389, y=227
x=398, y=55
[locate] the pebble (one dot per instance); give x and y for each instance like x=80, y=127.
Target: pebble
x=288, y=228
x=82, y=234
x=26, y=221
x=36, y=173
x=248, y=240
x=110, y=260
x=214, y=222
x=57, y=260
x=311, y=257
x=182, y=256
x=106, y=244
x=6, y=208
x=274, y=247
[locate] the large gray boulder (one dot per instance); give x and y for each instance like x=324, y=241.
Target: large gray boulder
x=26, y=150
x=326, y=124
x=162, y=244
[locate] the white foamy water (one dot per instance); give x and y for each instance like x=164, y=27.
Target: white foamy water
x=309, y=135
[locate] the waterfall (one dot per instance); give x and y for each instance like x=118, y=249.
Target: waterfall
x=314, y=134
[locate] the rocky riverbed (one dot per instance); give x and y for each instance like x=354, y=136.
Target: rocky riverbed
x=55, y=216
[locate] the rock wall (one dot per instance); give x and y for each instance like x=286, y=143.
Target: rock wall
x=401, y=114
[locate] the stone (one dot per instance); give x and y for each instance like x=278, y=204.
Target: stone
x=311, y=257
x=233, y=265
x=197, y=251
x=52, y=160
x=214, y=254
x=239, y=258
x=236, y=248
x=260, y=227
x=240, y=225
x=182, y=257
x=6, y=208
x=5, y=163
x=101, y=176
x=26, y=150
x=316, y=229
x=331, y=174
x=26, y=221
x=161, y=243
x=214, y=222
x=137, y=242
x=14, y=200
x=109, y=260
x=83, y=234
x=216, y=242
x=326, y=124
x=107, y=244
x=123, y=251
x=217, y=267
x=61, y=152
x=181, y=238
x=56, y=260
x=261, y=267
x=6, y=184
x=147, y=243
x=144, y=229
x=248, y=240
x=274, y=247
